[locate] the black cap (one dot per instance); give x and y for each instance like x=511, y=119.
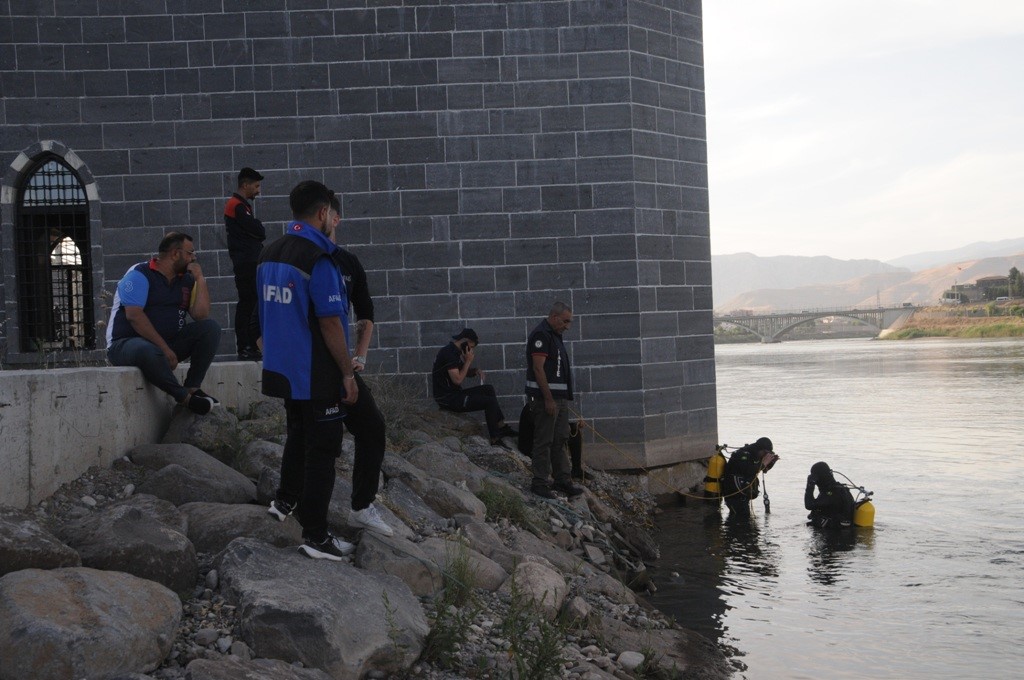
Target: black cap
x=249, y=175
x=467, y=334
x=762, y=444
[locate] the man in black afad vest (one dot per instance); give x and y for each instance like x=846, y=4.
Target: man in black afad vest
x=740, y=484
x=245, y=241
x=833, y=507
x=549, y=391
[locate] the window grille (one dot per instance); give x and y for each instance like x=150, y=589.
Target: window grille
x=55, y=307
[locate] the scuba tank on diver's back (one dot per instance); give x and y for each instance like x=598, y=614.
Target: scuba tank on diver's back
x=864, y=513
x=716, y=471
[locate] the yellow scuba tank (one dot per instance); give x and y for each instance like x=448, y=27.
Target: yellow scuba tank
x=864, y=514
x=716, y=471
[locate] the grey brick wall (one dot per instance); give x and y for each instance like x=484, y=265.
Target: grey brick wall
x=493, y=156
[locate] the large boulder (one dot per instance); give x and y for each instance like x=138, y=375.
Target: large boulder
x=162, y=511
x=124, y=538
x=442, y=462
x=216, y=432
x=257, y=455
x=410, y=508
x=328, y=615
x=185, y=474
x=446, y=499
x=24, y=544
x=398, y=557
x=487, y=573
x=535, y=583
x=213, y=525
x=83, y=623
x=525, y=543
x=233, y=668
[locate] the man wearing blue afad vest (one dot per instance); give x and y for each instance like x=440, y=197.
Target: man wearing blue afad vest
x=303, y=314
x=148, y=328
x=549, y=391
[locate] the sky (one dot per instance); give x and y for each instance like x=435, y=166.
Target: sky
x=864, y=129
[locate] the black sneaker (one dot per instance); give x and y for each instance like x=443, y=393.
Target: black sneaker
x=507, y=431
x=204, y=395
x=543, y=492
x=250, y=354
x=199, y=405
x=281, y=509
x=331, y=548
x=568, y=488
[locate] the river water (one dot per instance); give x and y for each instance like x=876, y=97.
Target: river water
x=936, y=588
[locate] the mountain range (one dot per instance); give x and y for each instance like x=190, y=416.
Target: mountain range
x=746, y=281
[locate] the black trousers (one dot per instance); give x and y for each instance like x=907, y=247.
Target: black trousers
x=307, y=468
x=366, y=423
x=479, y=398
x=245, y=283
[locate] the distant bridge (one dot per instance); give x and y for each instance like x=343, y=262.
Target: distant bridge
x=771, y=327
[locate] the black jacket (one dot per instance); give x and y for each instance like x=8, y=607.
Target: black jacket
x=245, y=233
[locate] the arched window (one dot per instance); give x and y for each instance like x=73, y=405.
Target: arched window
x=55, y=308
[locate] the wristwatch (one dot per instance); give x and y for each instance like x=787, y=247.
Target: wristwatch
x=359, y=360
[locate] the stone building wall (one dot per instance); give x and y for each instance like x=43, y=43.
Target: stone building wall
x=493, y=157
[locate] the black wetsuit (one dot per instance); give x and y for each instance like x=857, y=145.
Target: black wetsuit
x=740, y=484
x=833, y=507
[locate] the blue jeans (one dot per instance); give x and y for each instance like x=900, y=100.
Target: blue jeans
x=197, y=341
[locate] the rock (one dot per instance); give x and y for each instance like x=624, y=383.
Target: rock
x=577, y=612
x=636, y=539
x=79, y=622
x=207, y=636
x=211, y=579
x=600, y=509
x=410, y=508
x=24, y=544
x=488, y=574
x=260, y=428
x=630, y=660
x=674, y=650
x=482, y=537
x=446, y=499
x=224, y=644
x=398, y=557
x=89, y=501
x=442, y=462
x=124, y=537
x=257, y=455
x=185, y=474
x=241, y=650
x=240, y=669
x=266, y=488
x=216, y=433
x=368, y=621
x=162, y=511
x=544, y=587
x=563, y=539
x=594, y=554
x=525, y=543
x=601, y=583
x=213, y=525
x=265, y=408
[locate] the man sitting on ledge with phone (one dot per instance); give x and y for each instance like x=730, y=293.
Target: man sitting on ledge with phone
x=453, y=364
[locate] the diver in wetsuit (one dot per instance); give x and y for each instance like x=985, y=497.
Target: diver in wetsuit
x=833, y=506
x=740, y=484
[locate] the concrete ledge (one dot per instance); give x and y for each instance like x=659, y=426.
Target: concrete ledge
x=55, y=424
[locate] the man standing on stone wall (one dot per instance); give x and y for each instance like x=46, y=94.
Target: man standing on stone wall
x=303, y=315
x=147, y=325
x=245, y=240
x=549, y=391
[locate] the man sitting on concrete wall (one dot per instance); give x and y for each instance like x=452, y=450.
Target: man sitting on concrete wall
x=148, y=329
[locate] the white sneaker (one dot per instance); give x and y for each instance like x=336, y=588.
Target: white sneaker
x=369, y=518
x=332, y=548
